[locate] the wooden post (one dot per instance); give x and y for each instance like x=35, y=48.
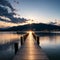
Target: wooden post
x=16, y=47
x=37, y=40
x=21, y=40
x=34, y=36
x=24, y=38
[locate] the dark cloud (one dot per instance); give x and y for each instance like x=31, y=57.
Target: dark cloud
x=6, y=3
x=4, y=20
x=12, y=19
x=4, y=12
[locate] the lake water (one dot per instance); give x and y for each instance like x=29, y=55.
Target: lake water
x=50, y=44
x=7, y=40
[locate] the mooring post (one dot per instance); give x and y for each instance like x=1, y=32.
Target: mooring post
x=34, y=36
x=24, y=37
x=22, y=40
x=16, y=47
x=37, y=40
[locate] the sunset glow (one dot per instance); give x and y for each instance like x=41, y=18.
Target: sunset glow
x=29, y=29
x=21, y=12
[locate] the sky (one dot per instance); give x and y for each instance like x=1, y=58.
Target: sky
x=36, y=11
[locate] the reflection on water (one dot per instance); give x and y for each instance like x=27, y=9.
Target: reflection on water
x=8, y=37
x=51, y=45
x=7, y=53
x=7, y=40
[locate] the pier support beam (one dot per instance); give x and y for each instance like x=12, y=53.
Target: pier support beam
x=16, y=47
x=22, y=40
x=37, y=40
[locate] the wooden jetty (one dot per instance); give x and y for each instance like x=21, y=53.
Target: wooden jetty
x=30, y=50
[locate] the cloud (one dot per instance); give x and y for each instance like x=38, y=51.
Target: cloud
x=12, y=19
x=4, y=12
x=6, y=3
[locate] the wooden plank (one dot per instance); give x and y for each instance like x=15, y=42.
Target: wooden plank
x=30, y=51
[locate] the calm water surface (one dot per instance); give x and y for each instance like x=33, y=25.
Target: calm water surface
x=7, y=40
x=51, y=45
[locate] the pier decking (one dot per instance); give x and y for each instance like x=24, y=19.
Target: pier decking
x=30, y=50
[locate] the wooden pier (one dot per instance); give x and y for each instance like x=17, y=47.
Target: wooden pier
x=30, y=50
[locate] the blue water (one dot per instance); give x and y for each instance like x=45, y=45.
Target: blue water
x=7, y=41
x=50, y=45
